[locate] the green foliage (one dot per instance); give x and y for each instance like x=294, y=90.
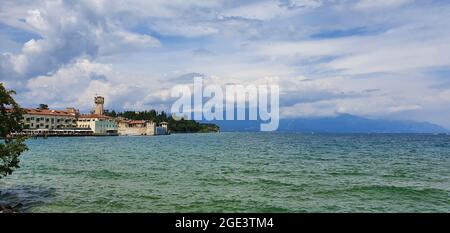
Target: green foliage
x=183, y=126
x=10, y=112
x=43, y=106
x=11, y=148
x=175, y=126
x=206, y=128
x=9, y=154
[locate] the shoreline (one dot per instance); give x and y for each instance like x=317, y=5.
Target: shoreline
x=8, y=209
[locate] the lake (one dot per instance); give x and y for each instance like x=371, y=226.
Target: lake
x=234, y=172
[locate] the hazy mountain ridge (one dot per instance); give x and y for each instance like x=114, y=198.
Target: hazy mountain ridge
x=344, y=123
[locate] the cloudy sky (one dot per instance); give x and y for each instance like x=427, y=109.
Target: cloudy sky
x=374, y=58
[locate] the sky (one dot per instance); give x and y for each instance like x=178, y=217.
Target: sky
x=385, y=59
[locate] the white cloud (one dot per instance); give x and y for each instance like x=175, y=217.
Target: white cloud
x=262, y=10
x=407, y=57
x=66, y=34
x=418, y=44
x=305, y=3
x=380, y=4
x=76, y=76
x=270, y=9
x=129, y=51
x=88, y=79
x=186, y=29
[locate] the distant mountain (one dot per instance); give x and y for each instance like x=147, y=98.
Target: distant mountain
x=344, y=123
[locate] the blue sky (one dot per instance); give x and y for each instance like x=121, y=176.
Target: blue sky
x=373, y=58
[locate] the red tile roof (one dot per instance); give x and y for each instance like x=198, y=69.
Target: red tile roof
x=94, y=116
x=138, y=122
x=131, y=122
x=48, y=112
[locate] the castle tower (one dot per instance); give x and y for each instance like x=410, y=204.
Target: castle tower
x=99, y=102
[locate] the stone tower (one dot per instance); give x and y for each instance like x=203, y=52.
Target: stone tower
x=99, y=101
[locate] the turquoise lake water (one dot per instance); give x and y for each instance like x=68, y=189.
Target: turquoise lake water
x=234, y=172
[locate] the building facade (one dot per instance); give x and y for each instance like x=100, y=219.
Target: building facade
x=34, y=119
x=162, y=129
x=136, y=128
x=97, y=121
x=99, y=124
x=141, y=128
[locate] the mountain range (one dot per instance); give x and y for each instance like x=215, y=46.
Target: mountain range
x=344, y=123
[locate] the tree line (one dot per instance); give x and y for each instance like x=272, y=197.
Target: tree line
x=175, y=125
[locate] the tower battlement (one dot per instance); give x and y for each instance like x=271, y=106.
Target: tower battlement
x=99, y=102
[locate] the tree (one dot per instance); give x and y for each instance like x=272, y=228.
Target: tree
x=11, y=148
x=43, y=106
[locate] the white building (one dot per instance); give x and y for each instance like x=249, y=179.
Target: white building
x=162, y=129
x=97, y=122
x=100, y=125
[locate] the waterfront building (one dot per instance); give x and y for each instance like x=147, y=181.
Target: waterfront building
x=140, y=128
x=162, y=129
x=97, y=121
x=35, y=119
x=99, y=124
x=136, y=127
